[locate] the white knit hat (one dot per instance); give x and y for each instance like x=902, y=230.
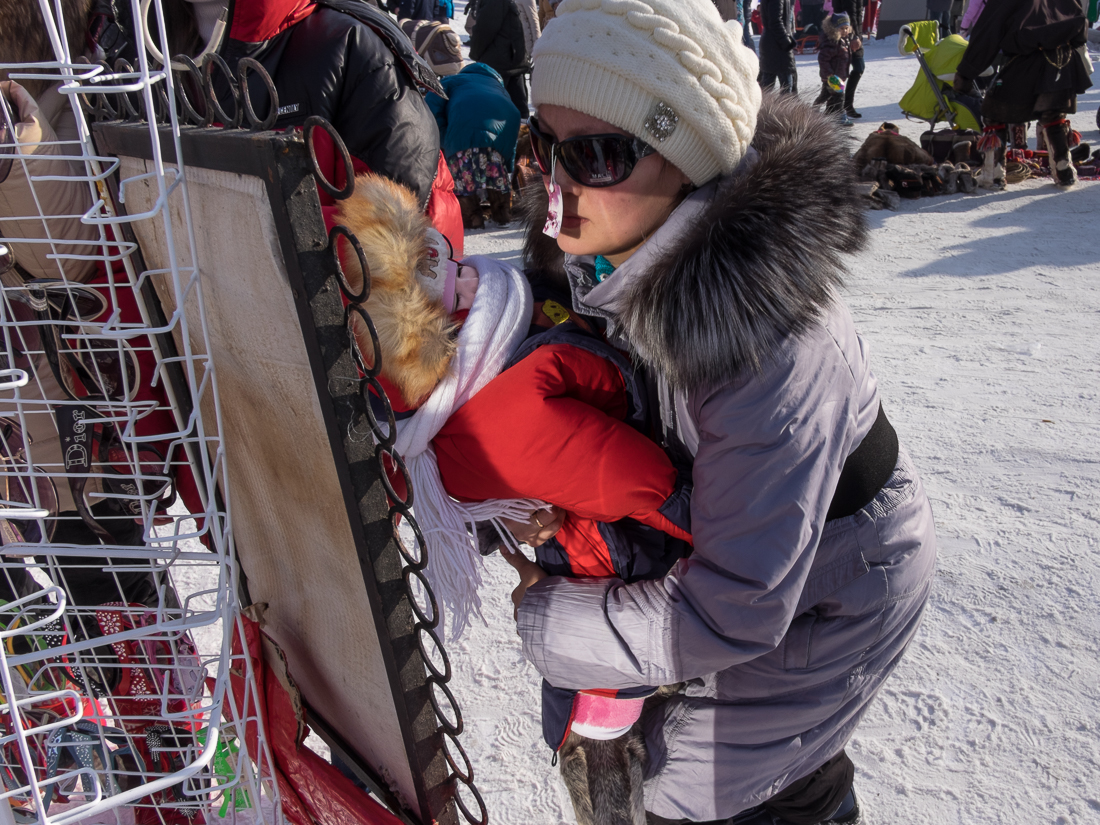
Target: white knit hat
x=670, y=72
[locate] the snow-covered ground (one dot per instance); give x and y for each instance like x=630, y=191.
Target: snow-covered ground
x=983, y=314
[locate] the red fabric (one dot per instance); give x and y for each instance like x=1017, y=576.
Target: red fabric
x=313, y=792
x=255, y=21
x=588, y=553
x=443, y=208
x=160, y=420
x=564, y=442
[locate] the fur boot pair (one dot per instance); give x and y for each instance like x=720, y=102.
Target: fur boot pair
x=919, y=180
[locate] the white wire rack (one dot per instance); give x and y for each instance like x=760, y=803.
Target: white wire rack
x=117, y=609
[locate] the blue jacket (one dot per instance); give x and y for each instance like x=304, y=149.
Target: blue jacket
x=479, y=114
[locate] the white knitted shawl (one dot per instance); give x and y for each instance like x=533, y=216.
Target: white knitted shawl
x=497, y=323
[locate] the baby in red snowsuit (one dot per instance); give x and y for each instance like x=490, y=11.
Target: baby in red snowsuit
x=563, y=422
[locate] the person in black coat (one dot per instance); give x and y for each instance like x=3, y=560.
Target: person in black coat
x=497, y=41
x=854, y=10
x=413, y=9
x=777, y=46
x=1043, y=71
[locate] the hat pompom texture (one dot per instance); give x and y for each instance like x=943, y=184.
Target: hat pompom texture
x=617, y=59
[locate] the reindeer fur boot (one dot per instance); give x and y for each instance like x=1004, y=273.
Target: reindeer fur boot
x=604, y=778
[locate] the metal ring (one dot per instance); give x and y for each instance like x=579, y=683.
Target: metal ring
x=102, y=110
x=422, y=618
x=467, y=777
x=360, y=297
x=399, y=463
x=127, y=111
x=484, y=818
x=219, y=113
x=312, y=122
x=244, y=66
x=535, y=516
x=192, y=68
x=421, y=632
x=414, y=563
x=162, y=112
x=454, y=727
x=383, y=439
x=351, y=311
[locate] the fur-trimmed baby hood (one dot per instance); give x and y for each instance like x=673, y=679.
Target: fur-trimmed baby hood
x=762, y=262
x=415, y=332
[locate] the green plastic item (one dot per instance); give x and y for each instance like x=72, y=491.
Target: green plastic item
x=920, y=101
x=223, y=769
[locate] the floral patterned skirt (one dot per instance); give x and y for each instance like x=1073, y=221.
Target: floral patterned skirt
x=476, y=171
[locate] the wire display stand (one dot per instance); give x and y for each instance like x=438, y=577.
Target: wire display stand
x=118, y=582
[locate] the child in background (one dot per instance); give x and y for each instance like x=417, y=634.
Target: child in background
x=478, y=128
x=834, y=60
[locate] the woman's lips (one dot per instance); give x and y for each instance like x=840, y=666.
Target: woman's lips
x=571, y=221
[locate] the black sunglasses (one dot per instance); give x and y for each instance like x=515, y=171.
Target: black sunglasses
x=590, y=160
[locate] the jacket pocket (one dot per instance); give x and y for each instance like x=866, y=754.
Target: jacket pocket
x=798, y=642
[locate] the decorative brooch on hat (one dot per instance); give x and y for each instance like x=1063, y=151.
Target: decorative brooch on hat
x=662, y=121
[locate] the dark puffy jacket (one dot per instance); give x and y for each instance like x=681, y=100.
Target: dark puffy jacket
x=349, y=63
x=478, y=113
x=497, y=38
x=1042, y=40
x=834, y=56
x=777, y=41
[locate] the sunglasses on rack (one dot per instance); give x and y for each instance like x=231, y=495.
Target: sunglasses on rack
x=591, y=160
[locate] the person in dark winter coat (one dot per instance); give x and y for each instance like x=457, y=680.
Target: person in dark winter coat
x=854, y=10
x=480, y=126
x=1044, y=70
x=497, y=40
x=349, y=63
x=777, y=46
x=726, y=224
x=940, y=11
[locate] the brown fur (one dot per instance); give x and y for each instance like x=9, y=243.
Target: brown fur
x=415, y=333
x=25, y=39
x=897, y=149
x=604, y=778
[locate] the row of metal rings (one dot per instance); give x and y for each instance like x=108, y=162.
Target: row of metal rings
x=417, y=588
x=131, y=106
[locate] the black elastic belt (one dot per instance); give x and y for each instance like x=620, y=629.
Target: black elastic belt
x=866, y=470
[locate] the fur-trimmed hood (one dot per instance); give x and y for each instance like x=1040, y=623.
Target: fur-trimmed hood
x=415, y=332
x=754, y=257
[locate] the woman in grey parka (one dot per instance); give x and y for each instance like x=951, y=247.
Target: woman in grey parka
x=708, y=232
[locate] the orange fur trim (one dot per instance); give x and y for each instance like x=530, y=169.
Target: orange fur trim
x=416, y=335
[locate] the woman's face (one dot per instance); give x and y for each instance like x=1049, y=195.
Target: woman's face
x=611, y=221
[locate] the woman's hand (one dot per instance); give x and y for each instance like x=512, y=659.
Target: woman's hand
x=541, y=527
x=529, y=573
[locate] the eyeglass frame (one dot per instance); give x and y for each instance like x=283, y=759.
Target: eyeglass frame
x=639, y=147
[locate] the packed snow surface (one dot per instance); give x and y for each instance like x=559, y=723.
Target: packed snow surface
x=983, y=316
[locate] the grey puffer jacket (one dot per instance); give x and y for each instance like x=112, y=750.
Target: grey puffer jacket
x=783, y=624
